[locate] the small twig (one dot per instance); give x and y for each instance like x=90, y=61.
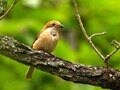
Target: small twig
x=88, y=38
x=84, y=31
x=6, y=12
x=111, y=54
x=116, y=44
x=97, y=34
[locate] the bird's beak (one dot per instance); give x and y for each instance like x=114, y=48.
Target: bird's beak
x=61, y=26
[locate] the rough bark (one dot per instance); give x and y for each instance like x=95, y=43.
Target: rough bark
x=44, y=61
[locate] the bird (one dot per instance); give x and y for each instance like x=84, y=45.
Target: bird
x=46, y=40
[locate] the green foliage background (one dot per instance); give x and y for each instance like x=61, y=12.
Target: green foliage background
x=26, y=20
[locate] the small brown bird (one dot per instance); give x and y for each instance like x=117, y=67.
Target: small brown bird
x=46, y=40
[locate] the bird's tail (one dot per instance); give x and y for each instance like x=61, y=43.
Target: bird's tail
x=29, y=72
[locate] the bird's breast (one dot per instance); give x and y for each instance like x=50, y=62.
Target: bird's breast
x=46, y=41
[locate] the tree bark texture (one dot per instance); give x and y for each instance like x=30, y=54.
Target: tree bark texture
x=77, y=73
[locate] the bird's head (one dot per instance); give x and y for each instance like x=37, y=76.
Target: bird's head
x=53, y=23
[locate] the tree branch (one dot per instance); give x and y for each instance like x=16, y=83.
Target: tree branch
x=84, y=31
x=89, y=39
x=96, y=34
x=66, y=70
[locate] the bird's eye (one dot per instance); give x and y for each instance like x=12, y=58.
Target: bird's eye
x=53, y=24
